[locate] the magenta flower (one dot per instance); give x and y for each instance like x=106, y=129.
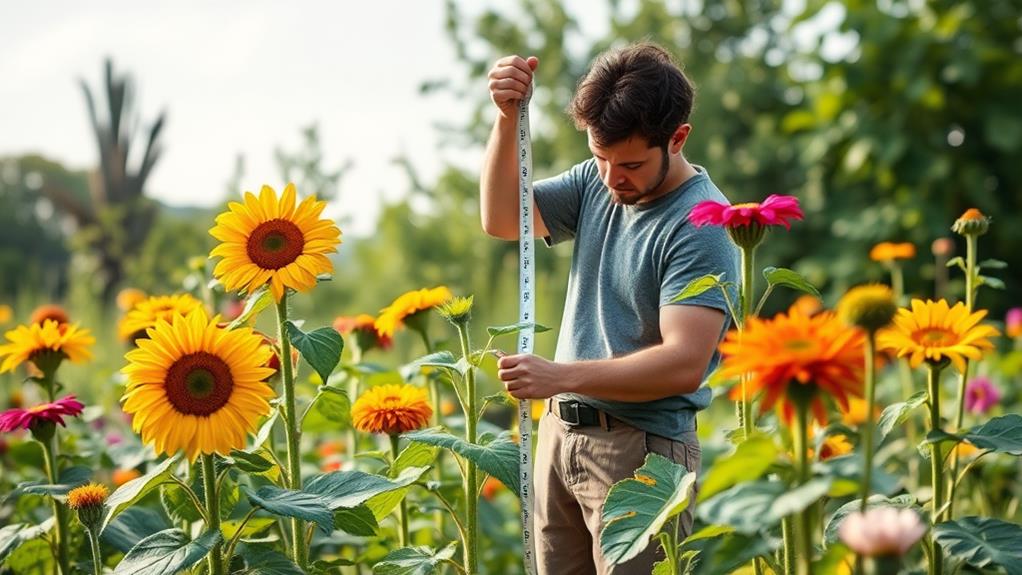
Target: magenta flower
x=1013, y=322
x=14, y=419
x=773, y=211
x=882, y=531
x=981, y=395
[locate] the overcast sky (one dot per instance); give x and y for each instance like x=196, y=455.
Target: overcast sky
x=237, y=77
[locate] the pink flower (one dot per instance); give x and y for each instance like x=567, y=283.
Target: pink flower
x=981, y=395
x=881, y=531
x=1013, y=322
x=773, y=211
x=14, y=419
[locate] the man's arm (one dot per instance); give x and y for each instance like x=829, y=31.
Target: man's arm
x=673, y=367
x=498, y=183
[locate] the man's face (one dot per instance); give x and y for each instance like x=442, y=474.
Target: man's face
x=632, y=170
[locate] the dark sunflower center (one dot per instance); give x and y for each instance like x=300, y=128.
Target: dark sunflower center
x=199, y=383
x=936, y=338
x=275, y=244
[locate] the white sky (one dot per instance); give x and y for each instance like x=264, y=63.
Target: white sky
x=238, y=77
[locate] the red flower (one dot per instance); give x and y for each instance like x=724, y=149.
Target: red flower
x=773, y=211
x=14, y=419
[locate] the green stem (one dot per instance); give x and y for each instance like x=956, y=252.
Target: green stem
x=963, y=380
x=353, y=390
x=215, y=557
x=867, y=437
x=788, y=536
x=804, y=531
x=237, y=536
x=936, y=468
x=97, y=558
x=402, y=510
x=471, y=493
x=748, y=262
x=897, y=282
x=59, y=510
x=291, y=429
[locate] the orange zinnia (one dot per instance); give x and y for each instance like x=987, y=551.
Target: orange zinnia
x=794, y=349
x=888, y=251
x=391, y=409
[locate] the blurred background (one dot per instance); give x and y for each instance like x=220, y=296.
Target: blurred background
x=125, y=128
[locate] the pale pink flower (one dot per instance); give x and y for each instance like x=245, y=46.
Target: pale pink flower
x=881, y=531
x=981, y=395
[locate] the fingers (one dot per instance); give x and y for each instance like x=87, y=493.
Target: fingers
x=509, y=79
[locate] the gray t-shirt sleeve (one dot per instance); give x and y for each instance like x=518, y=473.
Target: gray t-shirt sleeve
x=705, y=250
x=559, y=200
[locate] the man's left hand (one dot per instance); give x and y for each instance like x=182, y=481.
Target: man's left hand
x=528, y=376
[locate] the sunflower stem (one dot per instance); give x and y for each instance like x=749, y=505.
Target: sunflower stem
x=354, y=383
x=97, y=558
x=59, y=510
x=748, y=262
x=291, y=429
x=867, y=434
x=402, y=510
x=936, y=468
x=788, y=537
x=963, y=380
x=215, y=557
x=471, y=493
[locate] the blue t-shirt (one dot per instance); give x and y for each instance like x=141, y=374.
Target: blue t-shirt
x=627, y=262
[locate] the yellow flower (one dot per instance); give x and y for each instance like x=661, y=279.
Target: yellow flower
x=267, y=239
x=91, y=495
x=966, y=450
x=888, y=251
x=855, y=415
x=870, y=307
x=457, y=310
x=6, y=313
x=196, y=387
x=391, y=409
x=148, y=311
x=36, y=342
x=934, y=332
x=834, y=446
x=128, y=298
x=407, y=304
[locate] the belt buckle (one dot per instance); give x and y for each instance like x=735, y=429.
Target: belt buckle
x=566, y=409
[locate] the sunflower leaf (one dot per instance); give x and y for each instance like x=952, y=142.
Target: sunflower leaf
x=69, y=479
x=130, y=527
x=321, y=348
x=441, y=359
x=789, y=278
x=420, y=560
x=515, y=328
x=1001, y=434
x=698, y=286
x=288, y=503
x=166, y=553
x=347, y=489
x=750, y=461
x=260, y=299
x=358, y=521
x=896, y=413
x=263, y=560
x=134, y=490
x=251, y=462
x=982, y=542
x=498, y=458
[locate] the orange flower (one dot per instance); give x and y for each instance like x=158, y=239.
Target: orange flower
x=363, y=326
x=91, y=495
x=491, y=487
x=808, y=304
x=971, y=223
x=391, y=409
x=835, y=445
x=888, y=251
x=796, y=350
x=49, y=311
x=856, y=413
x=122, y=476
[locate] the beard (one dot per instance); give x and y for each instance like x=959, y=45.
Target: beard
x=632, y=197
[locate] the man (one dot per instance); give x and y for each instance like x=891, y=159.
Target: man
x=629, y=364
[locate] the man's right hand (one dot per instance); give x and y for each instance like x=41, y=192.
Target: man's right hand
x=509, y=82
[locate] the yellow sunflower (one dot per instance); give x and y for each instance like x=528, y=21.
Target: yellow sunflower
x=47, y=341
x=128, y=298
x=266, y=239
x=408, y=304
x=935, y=332
x=148, y=311
x=196, y=387
x=391, y=409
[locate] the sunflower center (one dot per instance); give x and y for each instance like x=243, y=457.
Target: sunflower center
x=936, y=338
x=199, y=383
x=275, y=244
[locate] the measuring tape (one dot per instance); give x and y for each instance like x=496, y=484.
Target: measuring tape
x=526, y=313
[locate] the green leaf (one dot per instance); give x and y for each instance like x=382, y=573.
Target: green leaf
x=321, y=348
x=440, y=359
x=515, y=328
x=500, y=398
x=991, y=282
x=266, y=561
x=177, y=504
x=289, y=503
x=846, y=471
x=254, y=526
x=414, y=455
x=830, y=534
x=789, y=278
x=330, y=411
x=1001, y=434
x=750, y=461
x=982, y=542
x=956, y=261
x=260, y=299
x=69, y=479
x=732, y=552
x=131, y=492
x=265, y=430
x=360, y=521
x=698, y=286
x=11, y=536
x=498, y=458
x=750, y=507
x=32, y=558
x=637, y=508
x=166, y=553
x=130, y=527
x=352, y=488
x=251, y=462
x=413, y=560
x=993, y=264
x=895, y=414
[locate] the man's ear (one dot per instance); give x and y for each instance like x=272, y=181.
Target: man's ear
x=679, y=138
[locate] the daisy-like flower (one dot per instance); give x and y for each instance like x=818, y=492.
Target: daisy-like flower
x=980, y=395
x=54, y=412
x=128, y=298
x=971, y=223
x=1013, y=322
x=746, y=223
x=408, y=305
x=91, y=495
x=268, y=239
x=47, y=343
x=935, y=332
x=49, y=311
x=870, y=307
x=363, y=326
x=796, y=350
x=889, y=251
x=881, y=531
x=148, y=311
x=391, y=409
x=196, y=387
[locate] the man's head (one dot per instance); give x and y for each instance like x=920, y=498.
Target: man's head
x=634, y=105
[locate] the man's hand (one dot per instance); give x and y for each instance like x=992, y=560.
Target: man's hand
x=528, y=376
x=509, y=82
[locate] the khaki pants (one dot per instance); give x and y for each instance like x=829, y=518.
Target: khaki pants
x=575, y=468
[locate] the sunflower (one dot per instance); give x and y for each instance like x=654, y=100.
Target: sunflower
x=869, y=306
x=267, y=239
x=797, y=350
x=391, y=409
x=935, y=332
x=889, y=251
x=197, y=387
x=363, y=326
x=128, y=298
x=148, y=311
x=409, y=304
x=45, y=343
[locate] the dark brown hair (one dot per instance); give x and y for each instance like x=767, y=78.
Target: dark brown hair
x=634, y=91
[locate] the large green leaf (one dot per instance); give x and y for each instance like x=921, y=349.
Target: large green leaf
x=167, y=552
x=321, y=348
x=330, y=411
x=261, y=560
x=289, y=503
x=1001, y=434
x=498, y=458
x=495, y=331
x=260, y=299
x=134, y=490
x=788, y=278
x=11, y=536
x=750, y=461
x=896, y=413
x=900, y=502
x=440, y=359
x=347, y=489
x=253, y=527
x=846, y=470
x=415, y=455
x=698, y=286
x=637, y=508
x=251, y=462
x=69, y=479
x=983, y=542
x=32, y=558
x=732, y=552
x=360, y=521
x=131, y=526
x=413, y=560
x=750, y=507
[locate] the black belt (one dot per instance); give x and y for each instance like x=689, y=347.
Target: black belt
x=578, y=414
